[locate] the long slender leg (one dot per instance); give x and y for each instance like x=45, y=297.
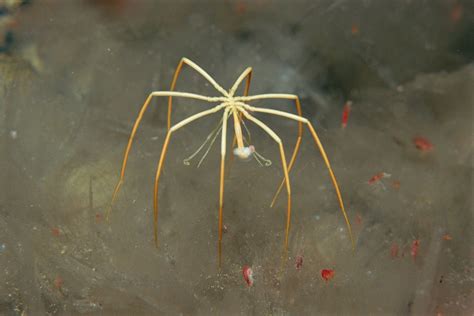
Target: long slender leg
x=185, y=61
x=300, y=130
x=295, y=149
x=247, y=73
x=221, y=182
x=173, y=129
x=321, y=150
x=285, y=168
x=135, y=127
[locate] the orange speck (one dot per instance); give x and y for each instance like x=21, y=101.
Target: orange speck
x=327, y=274
x=447, y=237
x=55, y=231
x=414, y=248
x=241, y=7
x=13, y=23
x=299, y=262
x=111, y=6
x=98, y=218
x=354, y=29
x=58, y=282
x=396, y=184
x=456, y=13
x=394, y=250
x=377, y=177
x=422, y=143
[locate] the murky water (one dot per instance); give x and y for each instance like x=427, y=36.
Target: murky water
x=73, y=77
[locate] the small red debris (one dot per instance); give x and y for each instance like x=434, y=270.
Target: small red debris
x=377, y=177
x=456, y=13
x=396, y=184
x=447, y=237
x=240, y=7
x=394, y=250
x=327, y=274
x=112, y=6
x=299, y=262
x=414, y=248
x=248, y=275
x=98, y=217
x=345, y=113
x=359, y=219
x=58, y=282
x=422, y=143
x=55, y=231
x=354, y=29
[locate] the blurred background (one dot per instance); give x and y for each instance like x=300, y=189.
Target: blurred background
x=387, y=85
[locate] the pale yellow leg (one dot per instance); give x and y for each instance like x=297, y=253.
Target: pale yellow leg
x=185, y=61
x=318, y=145
x=134, y=131
x=295, y=149
x=162, y=158
x=285, y=169
x=221, y=184
x=248, y=74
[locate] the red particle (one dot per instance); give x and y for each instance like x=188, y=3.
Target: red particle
x=111, y=6
x=422, y=143
x=359, y=219
x=58, y=282
x=327, y=274
x=394, y=250
x=414, y=248
x=354, y=29
x=396, y=184
x=55, y=231
x=98, y=218
x=456, y=13
x=345, y=113
x=248, y=275
x=377, y=177
x=241, y=7
x=12, y=23
x=299, y=262
x=447, y=237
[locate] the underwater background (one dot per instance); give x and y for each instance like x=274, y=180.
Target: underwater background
x=388, y=86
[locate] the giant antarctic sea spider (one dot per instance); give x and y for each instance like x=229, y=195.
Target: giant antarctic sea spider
x=238, y=108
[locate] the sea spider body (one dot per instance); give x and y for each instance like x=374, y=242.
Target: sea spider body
x=238, y=108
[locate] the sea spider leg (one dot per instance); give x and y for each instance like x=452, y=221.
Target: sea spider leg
x=285, y=168
x=185, y=61
x=137, y=123
x=321, y=150
x=295, y=149
x=247, y=73
x=298, y=139
x=163, y=155
x=221, y=181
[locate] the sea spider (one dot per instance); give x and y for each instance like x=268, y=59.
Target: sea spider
x=237, y=108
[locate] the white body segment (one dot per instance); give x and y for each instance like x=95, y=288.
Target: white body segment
x=244, y=153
